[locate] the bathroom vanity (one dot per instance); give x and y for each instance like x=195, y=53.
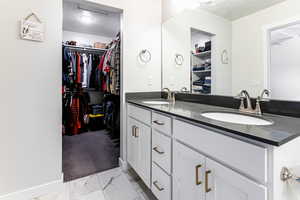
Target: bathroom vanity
x=180, y=154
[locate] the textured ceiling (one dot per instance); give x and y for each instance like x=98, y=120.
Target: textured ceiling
x=235, y=9
x=103, y=20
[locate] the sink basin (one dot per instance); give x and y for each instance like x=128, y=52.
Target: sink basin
x=156, y=102
x=237, y=118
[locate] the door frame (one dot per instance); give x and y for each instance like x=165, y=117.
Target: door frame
x=123, y=142
x=266, y=30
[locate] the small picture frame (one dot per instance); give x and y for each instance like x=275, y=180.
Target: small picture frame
x=32, y=28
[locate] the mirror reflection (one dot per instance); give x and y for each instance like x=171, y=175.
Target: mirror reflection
x=221, y=47
x=284, y=66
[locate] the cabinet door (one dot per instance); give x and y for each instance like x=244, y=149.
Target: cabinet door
x=143, y=133
x=224, y=184
x=188, y=173
x=132, y=141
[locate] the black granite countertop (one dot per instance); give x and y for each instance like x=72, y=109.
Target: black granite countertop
x=283, y=130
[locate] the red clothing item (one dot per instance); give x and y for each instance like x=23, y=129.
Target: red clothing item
x=100, y=67
x=101, y=64
x=78, y=77
x=75, y=110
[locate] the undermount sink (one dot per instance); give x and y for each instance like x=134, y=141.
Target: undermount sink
x=156, y=102
x=237, y=118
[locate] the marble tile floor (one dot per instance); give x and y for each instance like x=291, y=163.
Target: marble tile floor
x=109, y=185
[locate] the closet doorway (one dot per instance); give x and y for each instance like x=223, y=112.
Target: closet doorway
x=91, y=87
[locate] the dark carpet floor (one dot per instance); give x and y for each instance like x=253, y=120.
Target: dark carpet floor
x=88, y=153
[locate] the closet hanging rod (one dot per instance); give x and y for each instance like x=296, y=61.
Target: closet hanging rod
x=84, y=48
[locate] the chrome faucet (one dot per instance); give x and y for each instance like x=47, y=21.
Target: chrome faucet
x=249, y=109
x=242, y=96
x=171, y=95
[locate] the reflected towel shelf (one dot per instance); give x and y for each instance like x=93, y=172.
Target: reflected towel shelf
x=202, y=54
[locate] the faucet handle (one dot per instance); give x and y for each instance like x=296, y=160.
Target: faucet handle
x=165, y=90
x=261, y=97
x=239, y=96
x=184, y=89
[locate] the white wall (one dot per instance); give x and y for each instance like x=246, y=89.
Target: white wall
x=83, y=38
x=31, y=84
x=170, y=8
x=141, y=30
x=141, y=27
x=247, y=44
x=31, y=144
x=176, y=38
x=285, y=70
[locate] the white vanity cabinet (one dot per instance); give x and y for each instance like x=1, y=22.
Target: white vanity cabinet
x=132, y=141
x=179, y=160
x=139, y=143
x=161, y=156
x=198, y=177
x=188, y=173
x=218, y=181
x=222, y=183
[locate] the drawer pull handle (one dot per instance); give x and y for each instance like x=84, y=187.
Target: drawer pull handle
x=158, y=151
x=198, y=182
x=136, y=132
x=158, y=123
x=155, y=183
x=207, y=189
x=133, y=131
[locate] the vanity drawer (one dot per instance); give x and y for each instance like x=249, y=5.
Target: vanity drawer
x=161, y=123
x=140, y=114
x=161, y=183
x=161, y=150
x=242, y=156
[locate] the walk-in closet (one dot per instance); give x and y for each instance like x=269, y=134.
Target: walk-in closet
x=91, y=84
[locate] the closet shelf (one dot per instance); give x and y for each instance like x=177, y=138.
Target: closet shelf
x=84, y=48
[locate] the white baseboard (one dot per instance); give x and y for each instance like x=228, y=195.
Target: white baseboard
x=122, y=164
x=34, y=192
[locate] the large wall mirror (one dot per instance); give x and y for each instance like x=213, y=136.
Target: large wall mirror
x=226, y=46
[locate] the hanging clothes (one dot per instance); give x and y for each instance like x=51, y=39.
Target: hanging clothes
x=111, y=68
x=93, y=77
x=85, y=71
x=75, y=113
x=75, y=107
x=81, y=68
x=78, y=64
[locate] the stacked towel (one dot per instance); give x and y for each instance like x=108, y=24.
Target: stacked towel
x=207, y=80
